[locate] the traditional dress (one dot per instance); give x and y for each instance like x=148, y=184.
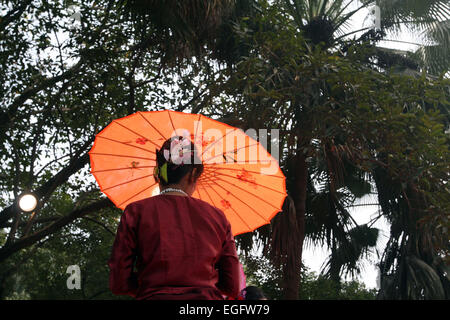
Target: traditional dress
x=174, y=247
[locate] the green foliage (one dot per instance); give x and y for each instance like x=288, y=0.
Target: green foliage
x=352, y=121
x=43, y=274
x=261, y=273
x=315, y=287
x=62, y=81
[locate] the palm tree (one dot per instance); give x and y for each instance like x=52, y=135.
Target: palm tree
x=190, y=28
x=328, y=22
x=289, y=89
x=323, y=21
x=187, y=28
x=412, y=267
x=428, y=18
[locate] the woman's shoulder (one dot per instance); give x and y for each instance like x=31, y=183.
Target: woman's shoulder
x=199, y=204
x=143, y=204
x=203, y=203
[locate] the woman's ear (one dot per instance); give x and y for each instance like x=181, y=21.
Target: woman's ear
x=193, y=176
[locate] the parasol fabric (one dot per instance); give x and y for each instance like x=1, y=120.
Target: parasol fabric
x=240, y=177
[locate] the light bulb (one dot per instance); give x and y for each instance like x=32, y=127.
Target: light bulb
x=27, y=202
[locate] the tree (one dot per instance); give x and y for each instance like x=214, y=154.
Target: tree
x=40, y=272
x=262, y=273
x=338, y=118
x=62, y=81
x=329, y=22
x=430, y=19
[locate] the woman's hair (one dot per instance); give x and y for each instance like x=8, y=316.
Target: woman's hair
x=253, y=293
x=175, y=169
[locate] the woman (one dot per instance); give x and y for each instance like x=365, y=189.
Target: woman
x=181, y=247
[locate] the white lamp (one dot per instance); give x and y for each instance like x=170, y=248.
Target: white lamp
x=27, y=202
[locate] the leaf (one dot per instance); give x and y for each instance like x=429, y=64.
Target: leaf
x=424, y=276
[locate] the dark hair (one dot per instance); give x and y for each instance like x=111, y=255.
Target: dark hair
x=253, y=293
x=175, y=172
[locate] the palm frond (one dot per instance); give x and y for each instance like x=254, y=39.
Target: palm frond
x=401, y=12
x=434, y=59
x=414, y=279
x=422, y=280
x=297, y=10
x=346, y=256
x=434, y=56
x=180, y=25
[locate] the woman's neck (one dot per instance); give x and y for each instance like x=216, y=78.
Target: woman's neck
x=174, y=189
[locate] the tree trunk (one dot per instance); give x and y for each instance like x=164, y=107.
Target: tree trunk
x=299, y=197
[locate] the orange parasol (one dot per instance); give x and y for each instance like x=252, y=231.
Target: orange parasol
x=240, y=177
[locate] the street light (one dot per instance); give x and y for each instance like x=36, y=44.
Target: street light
x=27, y=202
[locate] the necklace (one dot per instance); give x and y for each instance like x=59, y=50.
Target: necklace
x=173, y=190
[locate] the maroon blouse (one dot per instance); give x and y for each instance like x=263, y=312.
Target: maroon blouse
x=181, y=247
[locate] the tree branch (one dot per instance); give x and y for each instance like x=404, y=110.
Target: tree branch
x=8, y=116
x=100, y=224
x=13, y=15
x=25, y=242
x=45, y=190
x=41, y=220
